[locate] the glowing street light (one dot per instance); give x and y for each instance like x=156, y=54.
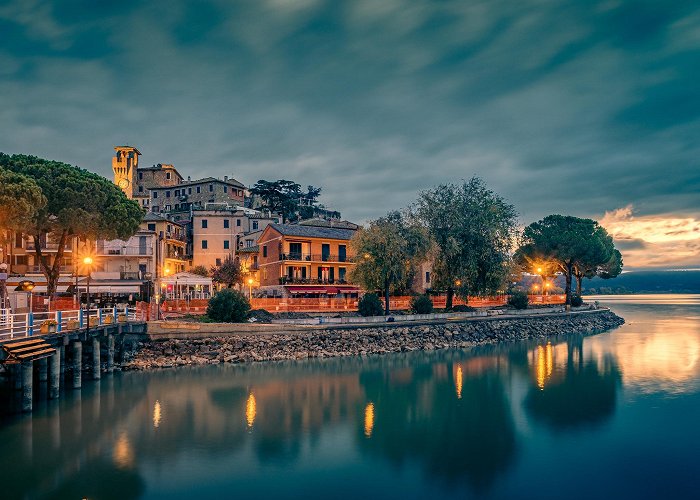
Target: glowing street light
x=87, y=262
x=250, y=288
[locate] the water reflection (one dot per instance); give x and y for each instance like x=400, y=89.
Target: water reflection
x=439, y=423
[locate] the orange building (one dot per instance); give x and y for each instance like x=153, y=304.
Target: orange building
x=304, y=260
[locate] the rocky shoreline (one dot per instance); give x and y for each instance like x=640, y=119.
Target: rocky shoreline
x=382, y=339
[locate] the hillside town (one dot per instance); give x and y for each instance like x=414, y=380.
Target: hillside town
x=190, y=227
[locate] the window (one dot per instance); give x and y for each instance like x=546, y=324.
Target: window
x=156, y=209
x=265, y=251
x=19, y=240
x=155, y=194
x=204, y=244
x=211, y=188
x=140, y=189
x=342, y=253
x=177, y=192
x=167, y=175
x=140, y=176
x=205, y=223
x=22, y=260
x=225, y=223
x=248, y=243
x=199, y=189
x=218, y=262
x=255, y=224
x=167, y=208
x=225, y=244
x=427, y=276
x=238, y=222
x=189, y=190
x=341, y=273
x=167, y=194
x=225, y=189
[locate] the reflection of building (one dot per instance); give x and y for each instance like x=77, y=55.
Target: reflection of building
x=306, y=259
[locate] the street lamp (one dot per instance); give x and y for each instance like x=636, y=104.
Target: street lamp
x=26, y=286
x=3, y=288
x=250, y=288
x=87, y=262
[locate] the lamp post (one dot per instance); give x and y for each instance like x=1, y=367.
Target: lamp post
x=3, y=286
x=87, y=262
x=250, y=288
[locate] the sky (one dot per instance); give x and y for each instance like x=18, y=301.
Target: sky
x=588, y=108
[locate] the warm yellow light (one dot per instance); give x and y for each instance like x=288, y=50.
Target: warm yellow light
x=156, y=414
x=544, y=364
x=366, y=256
x=539, y=270
x=123, y=454
x=250, y=411
x=548, y=285
x=458, y=283
x=250, y=281
x=458, y=381
x=87, y=261
x=167, y=271
x=369, y=419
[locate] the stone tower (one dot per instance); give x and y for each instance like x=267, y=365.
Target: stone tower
x=124, y=165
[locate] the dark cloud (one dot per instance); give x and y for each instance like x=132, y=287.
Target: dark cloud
x=563, y=107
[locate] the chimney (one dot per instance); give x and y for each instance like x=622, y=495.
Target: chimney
x=225, y=177
x=189, y=178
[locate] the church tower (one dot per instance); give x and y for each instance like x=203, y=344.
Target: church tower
x=124, y=165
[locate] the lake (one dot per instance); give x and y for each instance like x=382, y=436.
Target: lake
x=605, y=416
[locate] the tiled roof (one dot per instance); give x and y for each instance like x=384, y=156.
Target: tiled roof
x=319, y=222
x=253, y=249
x=154, y=217
x=313, y=231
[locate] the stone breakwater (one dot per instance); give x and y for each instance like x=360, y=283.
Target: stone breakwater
x=380, y=339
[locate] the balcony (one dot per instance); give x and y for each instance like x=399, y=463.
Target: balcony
x=47, y=247
x=127, y=250
x=286, y=280
x=129, y=275
x=173, y=236
x=315, y=257
x=39, y=270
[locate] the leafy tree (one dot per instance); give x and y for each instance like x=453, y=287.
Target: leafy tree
x=287, y=198
x=576, y=245
x=200, y=271
x=20, y=200
x=387, y=251
x=473, y=229
x=78, y=204
x=228, y=306
x=228, y=273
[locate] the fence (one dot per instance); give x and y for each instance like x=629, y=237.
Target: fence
x=335, y=305
x=18, y=325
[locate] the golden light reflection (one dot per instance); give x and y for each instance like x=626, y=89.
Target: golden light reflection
x=156, y=414
x=250, y=411
x=123, y=454
x=369, y=419
x=458, y=381
x=544, y=364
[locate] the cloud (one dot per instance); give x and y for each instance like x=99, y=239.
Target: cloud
x=654, y=240
x=562, y=107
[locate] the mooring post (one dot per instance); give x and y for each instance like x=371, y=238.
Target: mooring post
x=77, y=355
x=110, y=353
x=62, y=359
x=96, y=359
x=55, y=374
x=27, y=385
x=42, y=367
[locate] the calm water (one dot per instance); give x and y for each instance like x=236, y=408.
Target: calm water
x=612, y=415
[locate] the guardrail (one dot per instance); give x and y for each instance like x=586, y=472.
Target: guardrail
x=20, y=325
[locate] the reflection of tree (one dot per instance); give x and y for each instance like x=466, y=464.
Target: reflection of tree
x=470, y=439
x=585, y=394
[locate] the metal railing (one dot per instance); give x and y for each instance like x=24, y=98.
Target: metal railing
x=21, y=325
x=314, y=257
x=127, y=250
x=286, y=280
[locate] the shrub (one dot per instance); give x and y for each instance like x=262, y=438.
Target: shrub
x=576, y=300
x=228, y=306
x=518, y=299
x=370, y=305
x=422, y=304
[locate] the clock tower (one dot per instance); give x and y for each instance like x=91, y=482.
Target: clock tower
x=124, y=165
